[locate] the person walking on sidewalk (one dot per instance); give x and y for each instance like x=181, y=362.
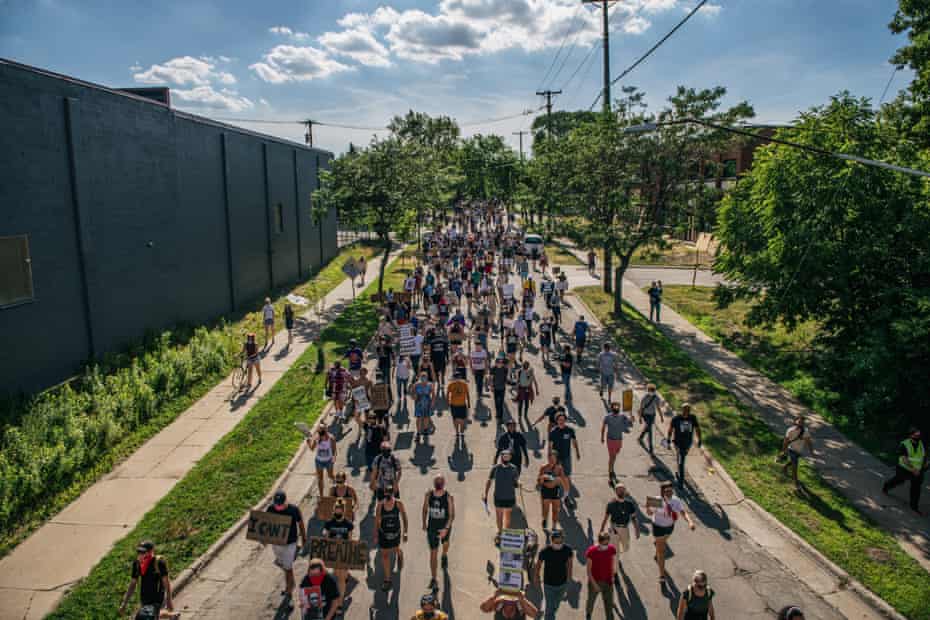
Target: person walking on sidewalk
x=580, y=330
x=402, y=377
x=320, y=597
x=339, y=528
x=607, y=363
x=665, y=510
x=362, y=268
x=150, y=573
x=592, y=262
x=681, y=432
x=479, y=365
x=796, y=437
x=555, y=563
x=385, y=473
x=553, y=485
x=325, y=446
x=527, y=389
x=601, y=569
x=438, y=515
x=459, y=398
x=514, y=441
x=566, y=363
x=550, y=415
x=649, y=406
x=655, y=301
x=289, y=323
x=620, y=512
x=499, y=376
x=424, y=397
x=391, y=526
x=268, y=322
x=697, y=601
x=506, y=478
x=284, y=555
x=612, y=429
x=562, y=439
x=911, y=465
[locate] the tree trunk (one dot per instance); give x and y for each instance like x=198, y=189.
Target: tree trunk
x=384, y=260
x=618, y=284
x=607, y=268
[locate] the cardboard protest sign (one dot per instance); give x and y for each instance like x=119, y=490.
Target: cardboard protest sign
x=407, y=346
x=628, y=400
x=351, y=554
x=380, y=397
x=511, y=560
x=405, y=331
x=360, y=394
x=304, y=428
x=325, y=505
x=351, y=268
x=268, y=528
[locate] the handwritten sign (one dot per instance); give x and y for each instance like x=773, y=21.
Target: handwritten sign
x=406, y=331
x=351, y=554
x=512, y=547
x=360, y=394
x=351, y=268
x=268, y=528
x=628, y=400
x=407, y=345
x=325, y=506
x=380, y=397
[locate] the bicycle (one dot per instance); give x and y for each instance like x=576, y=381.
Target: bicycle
x=239, y=374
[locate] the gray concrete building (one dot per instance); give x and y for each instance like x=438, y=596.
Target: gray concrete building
x=120, y=215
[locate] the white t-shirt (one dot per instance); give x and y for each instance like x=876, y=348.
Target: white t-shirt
x=795, y=438
x=409, y=284
x=403, y=369
x=663, y=516
x=268, y=312
x=479, y=359
x=418, y=344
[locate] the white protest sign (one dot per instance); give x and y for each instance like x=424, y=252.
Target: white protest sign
x=360, y=394
x=297, y=300
x=407, y=346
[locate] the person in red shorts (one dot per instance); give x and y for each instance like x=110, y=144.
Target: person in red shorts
x=601, y=565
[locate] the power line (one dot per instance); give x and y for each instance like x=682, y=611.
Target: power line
x=894, y=72
x=561, y=45
x=649, y=52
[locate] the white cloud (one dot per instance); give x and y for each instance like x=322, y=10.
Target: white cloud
x=287, y=32
x=184, y=71
x=264, y=101
x=636, y=25
x=709, y=10
x=207, y=97
x=225, y=59
x=358, y=44
x=288, y=63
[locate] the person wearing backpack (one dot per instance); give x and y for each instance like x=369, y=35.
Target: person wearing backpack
x=150, y=573
x=796, y=438
x=697, y=601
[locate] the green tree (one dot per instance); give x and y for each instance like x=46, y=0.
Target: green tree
x=913, y=18
x=812, y=237
x=487, y=166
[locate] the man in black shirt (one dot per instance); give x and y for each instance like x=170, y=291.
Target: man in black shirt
x=286, y=554
x=499, y=376
x=562, y=439
x=555, y=563
x=566, y=364
x=681, y=431
x=439, y=353
x=320, y=598
x=385, y=358
x=550, y=414
x=514, y=441
x=339, y=528
x=150, y=571
x=620, y=511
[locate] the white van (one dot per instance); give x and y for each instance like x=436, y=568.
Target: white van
x=533, y=245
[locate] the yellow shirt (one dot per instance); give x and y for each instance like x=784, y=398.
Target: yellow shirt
x=457, y=393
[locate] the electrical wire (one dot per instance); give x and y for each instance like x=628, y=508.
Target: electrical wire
x=649, y=52
x=888, y=85
x=561, y=45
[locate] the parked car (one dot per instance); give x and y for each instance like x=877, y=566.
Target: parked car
x=533, y=245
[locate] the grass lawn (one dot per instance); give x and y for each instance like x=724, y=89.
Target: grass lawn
x=788, y=358
x=559, y=255
x=15, y=531
x=746, y=447
x=232, y=477
x=678, y=253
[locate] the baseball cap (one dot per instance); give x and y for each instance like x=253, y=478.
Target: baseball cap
x=145, y=545
x=556, y=534
x=280, y=496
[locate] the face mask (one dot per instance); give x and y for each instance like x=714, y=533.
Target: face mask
x=438, y=486
x=429, y=614
x=337, y=515
x=385, y=452
x=602, y=547
x=556, y=546
x=280, y=506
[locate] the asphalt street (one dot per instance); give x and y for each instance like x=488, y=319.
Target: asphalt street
x=242, y=582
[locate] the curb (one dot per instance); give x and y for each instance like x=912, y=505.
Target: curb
x=188, y=574
x=844, y=580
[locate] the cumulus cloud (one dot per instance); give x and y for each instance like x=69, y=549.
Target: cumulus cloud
x=207, y=97
x=284, y=31
x=288, y=63
x=359, y=44
x=709, y=10
x=184, y=71
x=636, y=25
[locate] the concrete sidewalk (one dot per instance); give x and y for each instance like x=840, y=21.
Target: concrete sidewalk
x=847, y=467
x=34, y=577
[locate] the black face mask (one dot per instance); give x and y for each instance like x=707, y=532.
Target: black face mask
x=386, y=452
x=338, y=516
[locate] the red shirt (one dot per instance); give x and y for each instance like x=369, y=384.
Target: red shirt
x=602, y=562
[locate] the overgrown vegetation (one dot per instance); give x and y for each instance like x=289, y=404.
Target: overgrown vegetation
x=746, y=447
x=233, y=476
x=56, y=444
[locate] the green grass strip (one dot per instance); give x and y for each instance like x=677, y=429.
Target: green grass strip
x=233, y=476
x=746, y=447
x=226, y=336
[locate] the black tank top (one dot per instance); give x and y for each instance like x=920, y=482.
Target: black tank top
x=438, y=510
x=390, y=522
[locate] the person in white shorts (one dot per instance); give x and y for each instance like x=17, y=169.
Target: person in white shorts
x=284, y=555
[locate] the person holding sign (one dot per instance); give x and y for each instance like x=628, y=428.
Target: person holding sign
x=339, y=528
x=320, y=597
x=665, y=510
x=509, y=606
x=284, y=555
x=342, y=490
x=391, y=526
x=325, y=446
x=438, y=515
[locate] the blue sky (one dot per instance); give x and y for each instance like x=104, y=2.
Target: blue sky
x=358, y=62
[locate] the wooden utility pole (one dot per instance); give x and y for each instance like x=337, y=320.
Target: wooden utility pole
x=548, y=95
x=520, y=133
x=308, y=137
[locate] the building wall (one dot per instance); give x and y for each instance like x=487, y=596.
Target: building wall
x=138, y=218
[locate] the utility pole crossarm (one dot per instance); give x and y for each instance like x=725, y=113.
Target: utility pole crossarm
x=605, y=44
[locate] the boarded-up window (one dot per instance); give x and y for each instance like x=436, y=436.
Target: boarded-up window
x=15, y=270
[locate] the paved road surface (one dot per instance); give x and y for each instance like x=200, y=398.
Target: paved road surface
x=642, y=276
x=243, y=583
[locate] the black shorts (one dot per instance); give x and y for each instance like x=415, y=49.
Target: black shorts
x=504, y=503
x=433, y=539
x=388, y=543
x=459, y=412
x=658, y=531
x=439, y=364
x=549, y=493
